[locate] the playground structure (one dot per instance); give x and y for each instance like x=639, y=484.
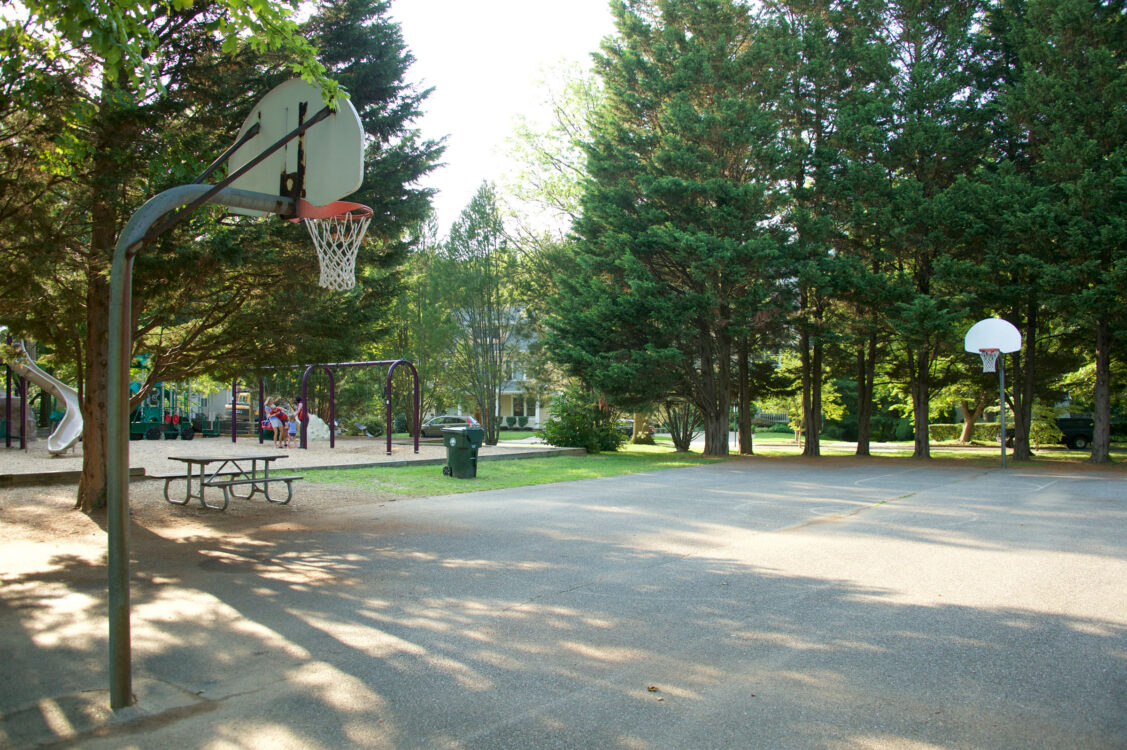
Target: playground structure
x=166, y=413
x=69, y=429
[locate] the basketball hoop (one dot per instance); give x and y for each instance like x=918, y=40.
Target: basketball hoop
x=989, y=359
x=337, y=230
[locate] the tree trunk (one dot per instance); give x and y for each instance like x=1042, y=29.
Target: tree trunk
x=1023, y=369
x=715, y=363
x=921, y=371
x=95, y=428
x=813, y=429
x=1101, y=399
x=103, y=237
x=811, y=355
x=866, y=380
x=743, y=354
x=641, y=434
x=971, y=416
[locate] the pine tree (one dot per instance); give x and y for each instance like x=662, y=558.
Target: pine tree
x=674, y=245
x=938, y=138
x=1070, y=106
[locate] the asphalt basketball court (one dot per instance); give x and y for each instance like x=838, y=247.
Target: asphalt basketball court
x=751, y=603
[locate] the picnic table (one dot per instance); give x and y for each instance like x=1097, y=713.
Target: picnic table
x=227, y=473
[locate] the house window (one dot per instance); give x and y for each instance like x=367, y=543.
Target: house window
x=518, y=406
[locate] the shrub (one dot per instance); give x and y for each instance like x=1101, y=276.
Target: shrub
x=365, y=424
x=400, y=423
x=780, y=427
x=522, y=421
x=941, y=432
x=510, y=422
x=762, y=422
x=580, y=421
x=683, y=421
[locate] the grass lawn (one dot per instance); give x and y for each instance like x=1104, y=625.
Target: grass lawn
x=496, y=475
x=632, y=459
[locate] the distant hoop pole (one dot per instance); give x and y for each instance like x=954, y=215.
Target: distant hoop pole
x=992, y=339
x=991, y=359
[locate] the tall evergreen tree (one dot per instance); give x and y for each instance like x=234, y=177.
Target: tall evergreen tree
x=674, y=240
x=1069, y=105
x=938, y=138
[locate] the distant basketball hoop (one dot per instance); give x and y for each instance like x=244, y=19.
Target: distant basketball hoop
x=989, y=339
x=337, y=230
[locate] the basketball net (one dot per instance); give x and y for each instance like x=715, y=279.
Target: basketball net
x=989, y=359
x=337, y=230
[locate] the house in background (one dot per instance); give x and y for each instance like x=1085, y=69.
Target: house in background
x=523, y=402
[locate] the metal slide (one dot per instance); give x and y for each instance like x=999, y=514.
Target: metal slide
x=69, y=429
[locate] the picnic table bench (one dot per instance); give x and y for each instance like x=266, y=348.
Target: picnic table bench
x=228, y=473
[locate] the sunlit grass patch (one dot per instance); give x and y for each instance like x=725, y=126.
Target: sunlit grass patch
x=504, y=474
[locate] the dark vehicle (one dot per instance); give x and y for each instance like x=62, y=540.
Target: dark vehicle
x=1076, y=432
x=433, y=426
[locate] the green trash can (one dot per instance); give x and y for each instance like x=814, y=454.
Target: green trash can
x=461, y=451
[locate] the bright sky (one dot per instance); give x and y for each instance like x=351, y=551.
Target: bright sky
x=484, y=58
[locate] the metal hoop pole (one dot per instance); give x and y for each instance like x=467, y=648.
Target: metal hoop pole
x=129, y=244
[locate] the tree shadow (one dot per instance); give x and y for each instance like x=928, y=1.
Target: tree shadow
x=517, y=621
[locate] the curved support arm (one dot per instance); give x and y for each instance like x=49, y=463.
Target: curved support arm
x=129, y=244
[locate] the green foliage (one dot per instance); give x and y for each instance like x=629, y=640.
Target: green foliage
x=580, y=420
x=675, y=253
x=370, y=425
x=122, y=34
x=946, y=432
x=171, y=84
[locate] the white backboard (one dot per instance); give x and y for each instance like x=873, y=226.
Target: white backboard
x=993, y=333
x=332, y=150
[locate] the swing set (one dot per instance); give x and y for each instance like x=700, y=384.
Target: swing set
x=330, y=370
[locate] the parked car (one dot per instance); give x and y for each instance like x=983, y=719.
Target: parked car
x=433, y=426
x=1076, y=432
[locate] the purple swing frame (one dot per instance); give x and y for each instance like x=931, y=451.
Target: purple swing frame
x=329, y=370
